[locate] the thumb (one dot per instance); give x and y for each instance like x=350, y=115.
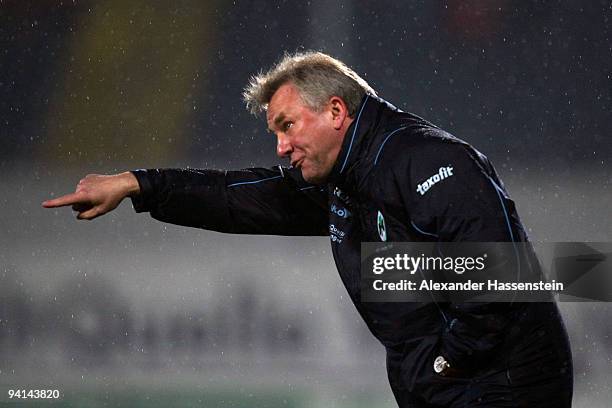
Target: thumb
x=90, y=214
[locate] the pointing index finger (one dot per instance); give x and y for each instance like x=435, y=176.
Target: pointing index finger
x=68, y=199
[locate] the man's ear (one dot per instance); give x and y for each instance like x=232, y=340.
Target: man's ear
x=339, y=111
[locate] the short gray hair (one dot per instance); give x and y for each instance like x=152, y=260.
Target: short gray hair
x=317, y=77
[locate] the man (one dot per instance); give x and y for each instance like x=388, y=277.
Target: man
x=362, y=170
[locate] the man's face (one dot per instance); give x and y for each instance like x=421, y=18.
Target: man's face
x=311, y=140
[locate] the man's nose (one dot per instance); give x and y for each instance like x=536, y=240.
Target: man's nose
x=283, y=147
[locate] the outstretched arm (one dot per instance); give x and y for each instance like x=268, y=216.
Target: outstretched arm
x=96, y=194
x=273, y=201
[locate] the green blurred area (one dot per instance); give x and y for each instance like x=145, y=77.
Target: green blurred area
x=153, y=398
x=236, y=398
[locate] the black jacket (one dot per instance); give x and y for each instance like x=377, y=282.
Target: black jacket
x=386, y=168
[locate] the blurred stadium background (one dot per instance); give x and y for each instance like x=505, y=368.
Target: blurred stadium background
x=125, y=311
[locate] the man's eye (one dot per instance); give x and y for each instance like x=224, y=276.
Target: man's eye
x=287, y=125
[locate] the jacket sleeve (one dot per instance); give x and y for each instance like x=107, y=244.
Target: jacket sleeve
x=273, y=201
x=452, y=194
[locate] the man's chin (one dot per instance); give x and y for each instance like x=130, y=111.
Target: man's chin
x=313, y=178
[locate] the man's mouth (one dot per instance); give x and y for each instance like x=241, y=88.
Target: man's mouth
x=297, y=163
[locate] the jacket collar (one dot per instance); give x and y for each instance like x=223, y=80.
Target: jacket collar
x=356, y=140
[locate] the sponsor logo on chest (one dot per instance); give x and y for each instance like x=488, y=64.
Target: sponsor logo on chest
x=336, y=234
x=443, y=173
x=340, y=211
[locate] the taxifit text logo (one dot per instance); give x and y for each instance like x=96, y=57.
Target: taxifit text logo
x=444, y=172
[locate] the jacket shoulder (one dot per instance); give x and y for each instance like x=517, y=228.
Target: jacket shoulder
x=406, y=143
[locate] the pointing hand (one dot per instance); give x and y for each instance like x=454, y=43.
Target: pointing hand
x=96, y=194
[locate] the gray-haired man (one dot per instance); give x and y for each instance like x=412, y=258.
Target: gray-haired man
x=361, y=170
